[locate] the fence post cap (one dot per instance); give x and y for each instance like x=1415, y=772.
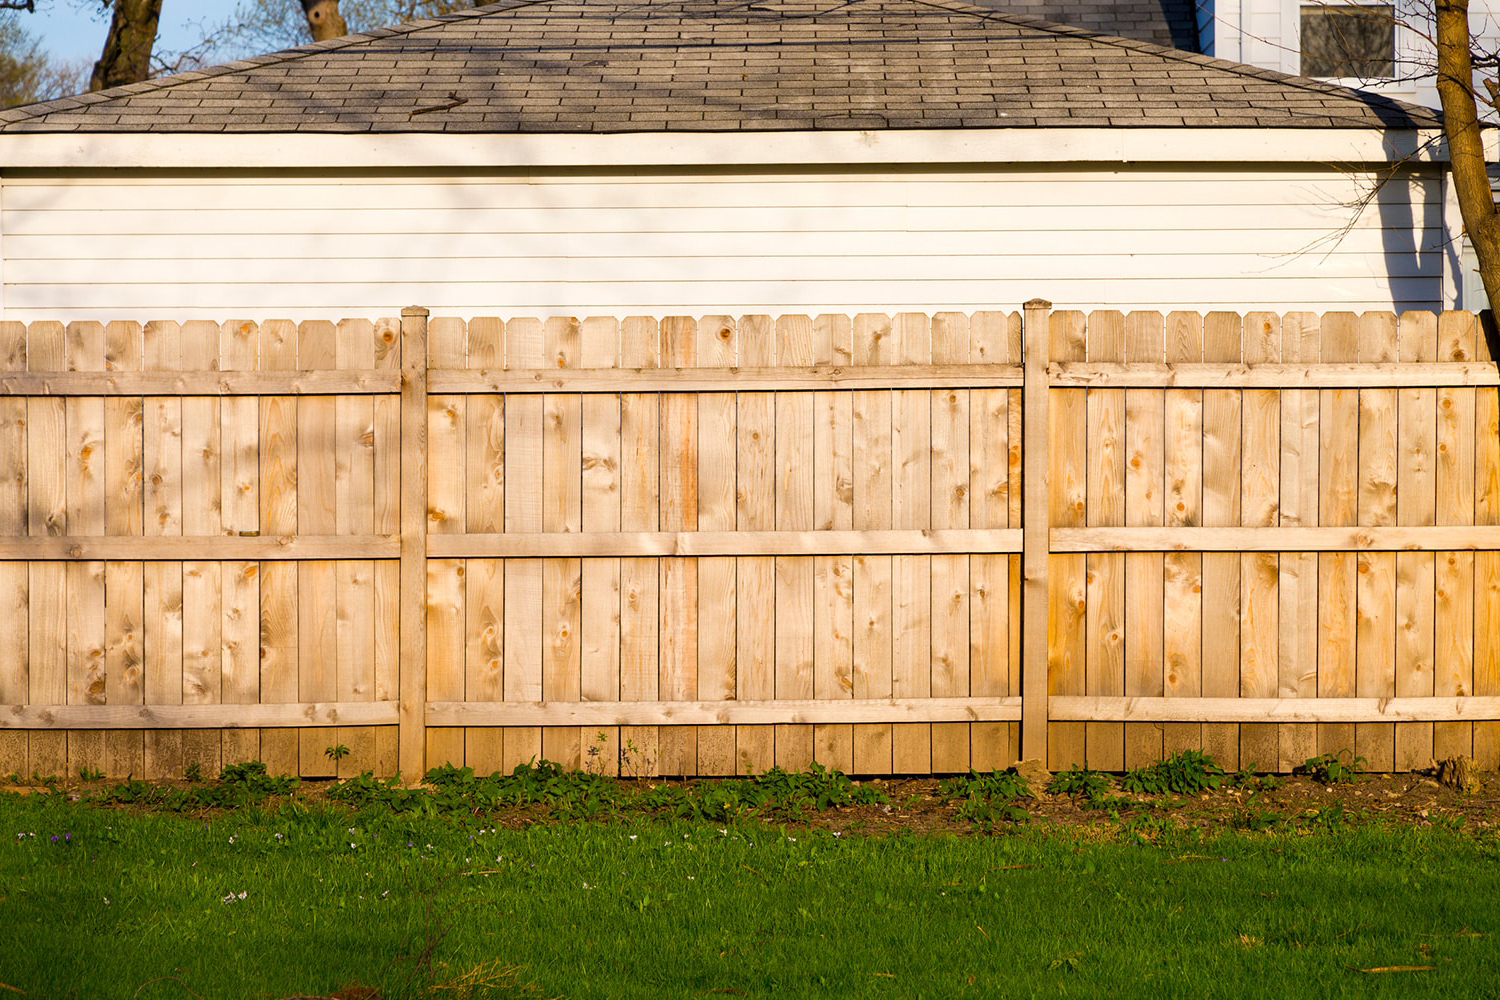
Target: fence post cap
x=1038, y=304
x=415, y=311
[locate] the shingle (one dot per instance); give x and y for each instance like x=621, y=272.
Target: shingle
x=716, y=65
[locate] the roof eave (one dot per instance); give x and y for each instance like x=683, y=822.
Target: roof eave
x=308, y=150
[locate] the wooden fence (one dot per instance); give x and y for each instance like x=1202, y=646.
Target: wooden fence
x=888, y=544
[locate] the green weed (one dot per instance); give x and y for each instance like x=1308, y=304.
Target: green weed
x=1331, y=769
x=985, y=799
x=1187, y=772
x=1081, y=782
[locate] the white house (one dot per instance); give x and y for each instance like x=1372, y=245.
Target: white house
x=599, y=157
x=1385, y=47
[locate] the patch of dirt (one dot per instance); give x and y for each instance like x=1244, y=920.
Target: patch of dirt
x=1270, y=801
x=916, y=806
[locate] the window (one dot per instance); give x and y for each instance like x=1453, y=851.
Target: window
x=1349, y=41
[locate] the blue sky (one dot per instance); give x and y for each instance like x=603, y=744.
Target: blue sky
x=72, y=29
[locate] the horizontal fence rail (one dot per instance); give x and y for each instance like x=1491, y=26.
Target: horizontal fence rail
x=890, y=544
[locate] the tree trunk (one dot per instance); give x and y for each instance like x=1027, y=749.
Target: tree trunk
x=324, y=19
x=127, y=49
x=1461, y=127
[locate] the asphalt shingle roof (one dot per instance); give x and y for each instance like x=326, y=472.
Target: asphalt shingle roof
x=719, y=66
x=1172, y=23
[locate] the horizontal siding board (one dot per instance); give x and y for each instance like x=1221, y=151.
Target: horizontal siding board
x=706, y=240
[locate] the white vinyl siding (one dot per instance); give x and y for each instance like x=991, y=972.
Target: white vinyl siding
x=138, y=245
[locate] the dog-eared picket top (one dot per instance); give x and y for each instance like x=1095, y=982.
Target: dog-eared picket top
x=890, y=544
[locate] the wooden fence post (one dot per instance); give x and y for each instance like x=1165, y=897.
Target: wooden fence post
x=1035, y=517
x=413, y=587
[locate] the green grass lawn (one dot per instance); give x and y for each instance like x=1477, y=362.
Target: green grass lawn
x=303, y=900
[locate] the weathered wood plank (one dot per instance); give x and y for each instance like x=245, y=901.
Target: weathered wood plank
x=1416, y=573
x=640, y=423
x=1067, y=574
x=562, y=511
x=1223, y=607
x=15, y=576
x=718, y=346
x=872, y=575
x=280, y=594
x=1106, y=446
x=317, y=498
x=1298, y=586
x=951, y=499
x=1182, y=599
x=911, y=507
x=678, y=635
x=1453, y=660
x=1338, y=499
x=1144, y=487
x=794, y=457
x=1260, y=488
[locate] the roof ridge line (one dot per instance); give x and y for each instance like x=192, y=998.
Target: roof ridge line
x=28, y=111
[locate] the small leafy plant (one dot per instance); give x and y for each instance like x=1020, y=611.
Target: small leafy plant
x=1331, y=769
x=1187, y=772
x=336, y=753
x=1080, y=782
x=87, y=773
x=984, y=799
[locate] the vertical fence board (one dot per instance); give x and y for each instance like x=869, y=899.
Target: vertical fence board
x=911, y=493
x=202, y=582
x=1453, y=659
x=872, y=575
x=484, y=579
x=161, y=487
x=1375, y=642
x=280, y=594
x=1298, y=654
x=1182, y=603
x=447, y=513
x=718, y=347
x=522, y=640
x=599, y=347
x=562, y=511
x=84, y=473
x=794, y=449
x=1260, y=490
x=833, y=615
x=678, y=635
x=1487, y=571
x=1416, y=504
x=1338, y=496
x=950, y=502
x=1105, y=616
x=755, y=611
x=239, y=500
x=317, y=580
x=15, y=583
x=992, y=744
x=124, y=750
x=1222, y=600
x=1145, y=484
x=354, y=514
x=639, y=615
x=1067, y=574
